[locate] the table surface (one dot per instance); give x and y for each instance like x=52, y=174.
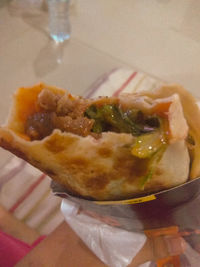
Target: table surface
x=160, y=37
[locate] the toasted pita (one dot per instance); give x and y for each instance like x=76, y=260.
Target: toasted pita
x=104, y=168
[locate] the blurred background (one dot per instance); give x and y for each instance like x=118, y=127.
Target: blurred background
x=158, y=37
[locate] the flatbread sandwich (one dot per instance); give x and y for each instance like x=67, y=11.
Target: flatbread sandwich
x=109, y=148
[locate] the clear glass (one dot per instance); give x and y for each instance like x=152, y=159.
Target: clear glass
x=59, y=24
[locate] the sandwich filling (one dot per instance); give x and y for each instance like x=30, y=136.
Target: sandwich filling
x=87, y=117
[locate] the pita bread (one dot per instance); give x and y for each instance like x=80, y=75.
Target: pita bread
x=104, y=168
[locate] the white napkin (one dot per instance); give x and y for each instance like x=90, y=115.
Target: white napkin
x=114, y=246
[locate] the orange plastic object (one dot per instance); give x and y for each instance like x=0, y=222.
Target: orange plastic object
x=173, y=261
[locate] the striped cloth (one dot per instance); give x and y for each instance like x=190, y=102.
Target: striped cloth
x=25, y=191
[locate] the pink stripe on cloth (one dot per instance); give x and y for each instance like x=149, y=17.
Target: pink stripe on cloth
x=116, y=93
x=13, y=250
x=95, y=86
x=12, y=173
x=27, y=193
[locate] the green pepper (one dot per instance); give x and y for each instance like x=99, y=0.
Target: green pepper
x=112, y=118
x=153, y=162
x=148, y=144
x=97, y=127
x=93, y=112
x=129, y=119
